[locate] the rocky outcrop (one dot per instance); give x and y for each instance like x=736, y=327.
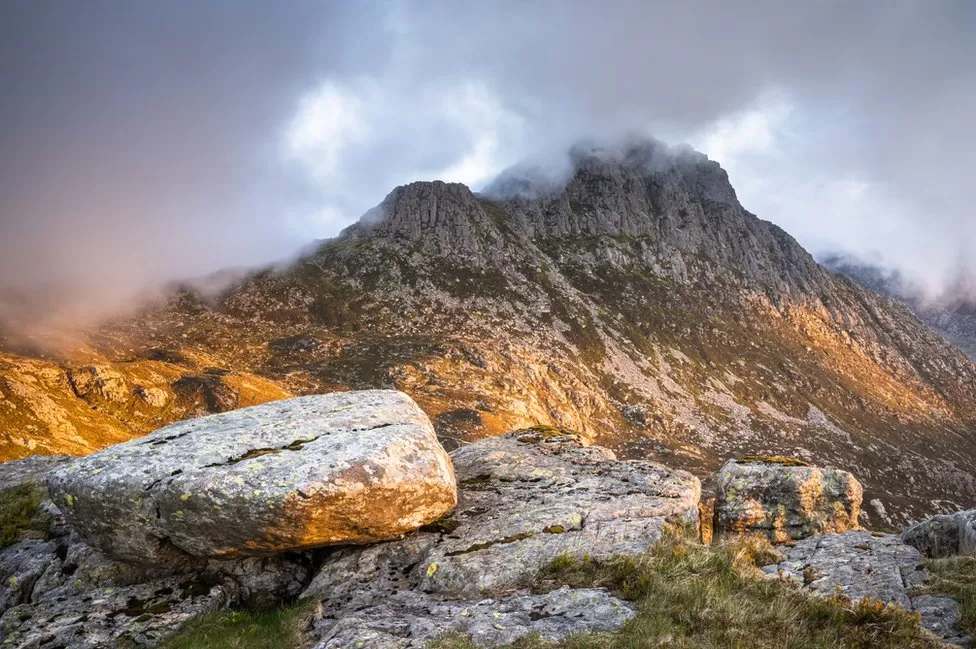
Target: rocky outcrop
x=865, y=565
x=444, y=218
x=944, y=535
x=291, y=475
x=525, y=499
x=61, y=592
x=784, y=499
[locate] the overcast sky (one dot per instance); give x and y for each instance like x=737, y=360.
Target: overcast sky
x=147, y=140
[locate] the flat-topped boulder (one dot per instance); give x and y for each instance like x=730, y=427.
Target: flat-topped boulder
x=525, y=499
x=784, y=499
x=341, y=468
x=944, y=535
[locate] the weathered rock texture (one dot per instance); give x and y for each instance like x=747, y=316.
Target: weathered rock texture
x=862, y=565
x=525, y=499
x=783, y=501
x=60, y=592
x=348, y=467
x=944, y=535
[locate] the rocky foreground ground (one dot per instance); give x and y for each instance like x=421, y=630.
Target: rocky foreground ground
x=348, y=502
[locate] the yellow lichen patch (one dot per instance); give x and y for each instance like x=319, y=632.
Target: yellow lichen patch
x=431, y=569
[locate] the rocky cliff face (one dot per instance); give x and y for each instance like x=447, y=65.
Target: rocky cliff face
x=638, y=303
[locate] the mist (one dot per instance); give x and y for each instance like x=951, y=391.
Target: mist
x=146, y=142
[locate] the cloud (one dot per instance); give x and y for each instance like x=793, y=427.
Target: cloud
x=342, y=134
x=145, y=141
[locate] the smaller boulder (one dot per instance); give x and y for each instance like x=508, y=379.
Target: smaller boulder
x=784, y=500
x=945, y=535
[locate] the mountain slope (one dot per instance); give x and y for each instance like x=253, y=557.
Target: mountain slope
x=953, y=317
x=638, y=302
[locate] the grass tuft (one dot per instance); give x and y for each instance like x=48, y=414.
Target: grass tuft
x=20, y=512
x=955, y=577
x=279, y=628
x=690, y=596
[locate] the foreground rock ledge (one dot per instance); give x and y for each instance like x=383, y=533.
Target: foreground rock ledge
x=526, y=498
x=348, y=467
x=874, y=566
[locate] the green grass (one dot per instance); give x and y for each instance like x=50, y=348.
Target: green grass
x=270, y=629
x=690, y=596
x=955, y=577
x=19, y=512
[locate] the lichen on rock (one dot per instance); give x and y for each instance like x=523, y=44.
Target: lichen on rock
x=784, y=500
x=348, y=467
x=525, y=499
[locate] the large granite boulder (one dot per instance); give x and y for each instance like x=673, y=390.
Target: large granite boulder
x=944, y=535
x=784, y=499
x=348, y=467
x=525, y=499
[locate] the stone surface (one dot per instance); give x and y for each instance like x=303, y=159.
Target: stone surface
x=100, y=618
x=61, y=592
x=785, y=502
x=348, y=467
x=944, y=535
x=411, y=620
x=524, y=499
x=860, y=565
x=30, y=469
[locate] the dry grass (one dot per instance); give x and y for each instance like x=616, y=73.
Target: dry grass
x=269, y=629
x=955, y=577
x=690, y=596
x=19, y=513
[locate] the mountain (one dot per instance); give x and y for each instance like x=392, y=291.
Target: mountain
x=953, y=315
x=635, y=301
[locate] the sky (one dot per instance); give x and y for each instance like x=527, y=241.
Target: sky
x=145, y=141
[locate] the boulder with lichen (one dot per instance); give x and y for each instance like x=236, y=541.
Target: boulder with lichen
x=348, y=467
x=784, y=499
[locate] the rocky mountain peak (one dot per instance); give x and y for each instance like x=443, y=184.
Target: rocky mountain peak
x=442, y=217
x=673, y=200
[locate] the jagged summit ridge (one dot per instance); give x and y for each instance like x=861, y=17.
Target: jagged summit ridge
x=675, y=202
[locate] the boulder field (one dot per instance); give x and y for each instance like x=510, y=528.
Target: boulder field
x=394, y=542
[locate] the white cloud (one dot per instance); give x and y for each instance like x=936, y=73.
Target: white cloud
x=328, y=120
x=356, y=141
x=788, y=165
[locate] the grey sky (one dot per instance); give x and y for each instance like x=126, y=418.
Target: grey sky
x=141, y=141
